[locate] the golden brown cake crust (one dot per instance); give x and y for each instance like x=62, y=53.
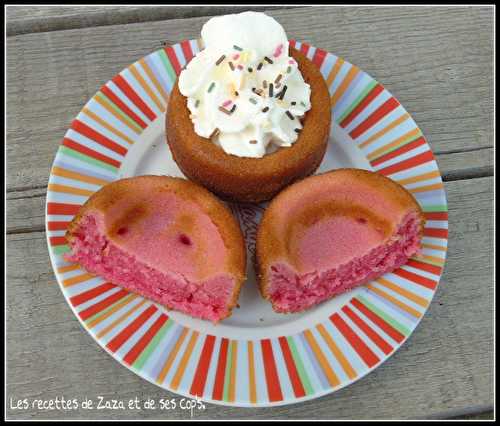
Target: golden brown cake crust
x=220, y=215
x=269, y=248
x=251, y=179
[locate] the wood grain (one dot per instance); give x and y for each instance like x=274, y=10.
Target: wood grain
x=436, y=61
x=35, y=19
x=443, y=370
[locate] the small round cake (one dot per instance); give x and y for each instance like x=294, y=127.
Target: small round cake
x=165, y=238
x=331, y=232
x=249, y=115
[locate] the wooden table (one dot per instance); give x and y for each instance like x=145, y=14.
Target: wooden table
x=437, y=61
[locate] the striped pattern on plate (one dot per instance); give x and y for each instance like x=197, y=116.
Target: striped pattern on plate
x=267, y=371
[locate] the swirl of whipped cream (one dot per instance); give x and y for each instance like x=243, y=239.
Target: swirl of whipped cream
x=244, y=92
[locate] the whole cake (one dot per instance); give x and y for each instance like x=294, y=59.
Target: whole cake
x=165, y=238
x=248, y=115
x=331, y=232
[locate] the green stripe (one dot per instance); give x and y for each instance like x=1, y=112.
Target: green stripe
x=228, y=371
x=168, y=66
x=400, y=327
x=435, y=208
x=399, y=145
x=114, y=107
x=75, y=154
x=103, y=312
x=61, y=249
x=300, y=366
x=358, y=100
x=148, y=350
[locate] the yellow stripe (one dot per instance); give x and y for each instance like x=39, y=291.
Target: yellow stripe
x=76, y=280
x=402, y=305
x=337, y=353
x=68, y=189
x=403, y=292
x=411, y=134
x=125, y=301
x=146, y=87
x=386, y=129
x=332, y=378
x=335, y=70
x=432, y=187
x=68, y=268
x=152, y=77
x=184, y=361
x=58, y=171
x=119, y=320
x=199, y=42
x=101, y=101
x=232, y=373
x=344, y=85
x=251, y=374
x=414, y=179
x=106, y=125
x=171, y=357
x=433, y=247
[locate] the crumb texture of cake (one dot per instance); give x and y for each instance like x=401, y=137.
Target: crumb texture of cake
x=332, y=232
x=166, y=239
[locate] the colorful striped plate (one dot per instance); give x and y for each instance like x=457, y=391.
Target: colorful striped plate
x=256, y=357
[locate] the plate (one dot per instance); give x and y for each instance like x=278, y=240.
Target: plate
x=256, y=357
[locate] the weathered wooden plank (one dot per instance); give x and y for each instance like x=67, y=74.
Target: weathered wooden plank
x=26, y=207
x=436, y=61
x=444, y=369
x=35, y=19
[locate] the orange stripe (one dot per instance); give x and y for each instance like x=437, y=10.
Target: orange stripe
x=429, y=258
x=171, y=356
x=119, y=320
x=232, y=373
x=337, y=353
x=403, y=292
x=411, y=134
x=434, y=247
x=68, y=189
x=251, y=374
x=58, y=171
x=432, y=187
x=391, y=299
x=76, y=280
x=101, y=101
x=115, y=308
x=152, y=77
x=146, y=87
x=68, y=268
x=331, y=376
x=385, y=130
x=184, y=361
x=415, y=179
x=345, y=84
x=106, y=125
x=335, y=70
x=199, y=42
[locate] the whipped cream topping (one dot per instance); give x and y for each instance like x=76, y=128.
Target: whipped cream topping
x=244, y=92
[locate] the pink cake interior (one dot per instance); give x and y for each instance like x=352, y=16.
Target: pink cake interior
x=176, y=258
x=326, y=263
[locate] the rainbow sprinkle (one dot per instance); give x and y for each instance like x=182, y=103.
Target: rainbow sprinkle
x=236, y=56
x=278, y=50
x=290, y=115
x=211, y=87
x=227, y=103
x=220, y=60
x=237, y=48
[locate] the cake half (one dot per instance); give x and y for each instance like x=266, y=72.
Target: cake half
x=331, y=232
x=165, y=238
